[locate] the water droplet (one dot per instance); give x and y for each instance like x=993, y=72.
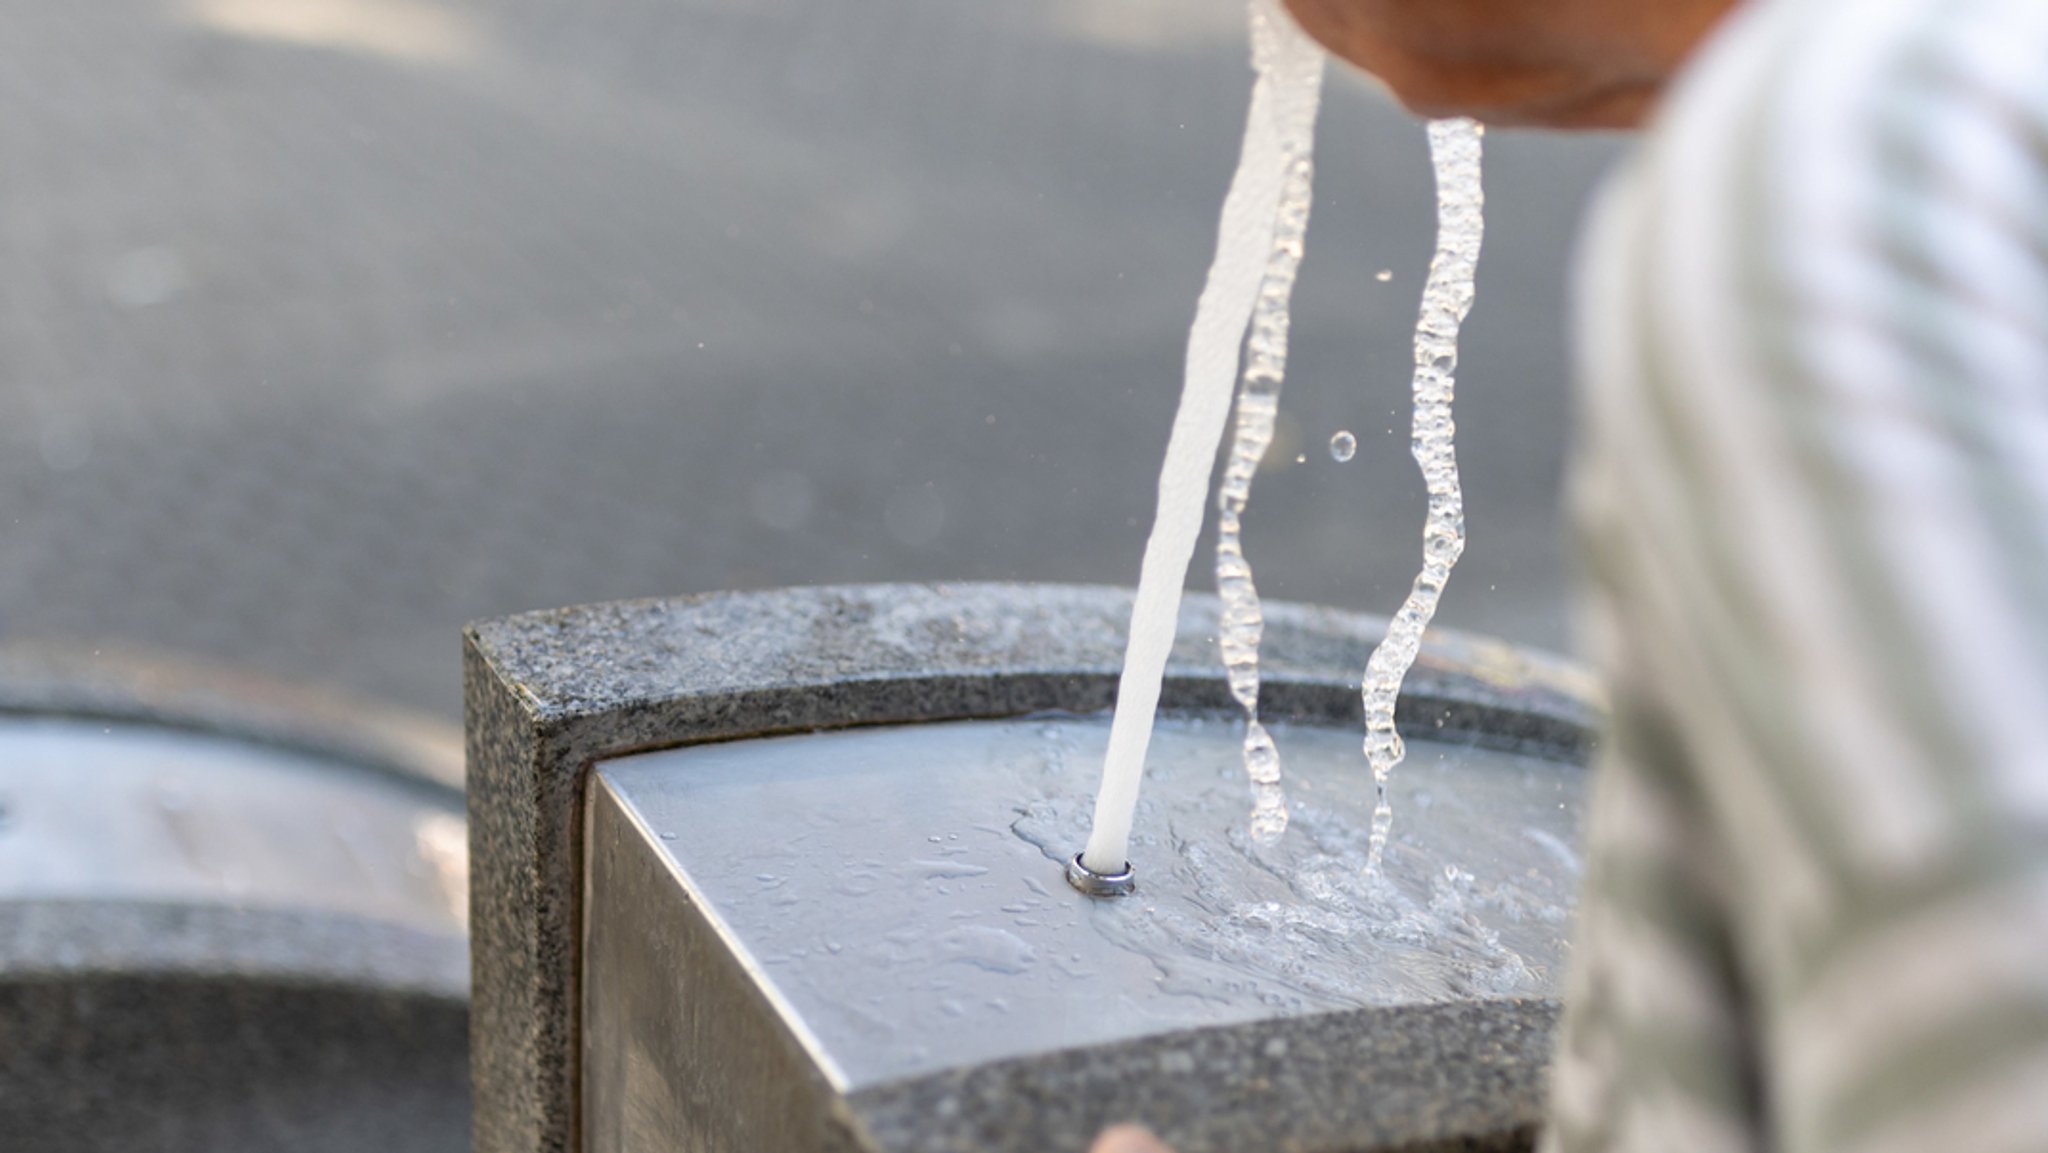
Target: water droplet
x=1384, y=275
x=1343, y=446
x=992, y=950
x=945, y=870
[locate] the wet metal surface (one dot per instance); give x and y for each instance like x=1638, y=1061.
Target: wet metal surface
x=886, y=903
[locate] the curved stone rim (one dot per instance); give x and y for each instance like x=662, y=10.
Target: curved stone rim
x=135, y=687
x=67, y=941
x=59, y=941
x=127, y=1021
x=744, y=658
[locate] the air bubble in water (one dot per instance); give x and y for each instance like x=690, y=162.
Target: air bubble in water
x=1343, y=447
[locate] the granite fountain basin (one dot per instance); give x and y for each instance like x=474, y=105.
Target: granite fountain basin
x=784, y=871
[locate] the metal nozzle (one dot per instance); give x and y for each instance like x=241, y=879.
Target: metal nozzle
x=1121, y=883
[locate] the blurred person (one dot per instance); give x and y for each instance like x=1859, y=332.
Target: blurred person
x=1811, y=493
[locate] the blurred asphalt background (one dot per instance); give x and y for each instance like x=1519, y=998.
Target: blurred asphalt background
x=326, y=325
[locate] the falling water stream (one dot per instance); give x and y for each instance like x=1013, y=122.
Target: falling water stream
x=1265, y=217
x=1461, y=224
x=1258, y=403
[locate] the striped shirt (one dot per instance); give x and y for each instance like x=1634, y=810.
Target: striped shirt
x=1813, y=500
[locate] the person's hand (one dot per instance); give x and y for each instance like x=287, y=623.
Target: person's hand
x=1127, y=1139
x=1557, y=63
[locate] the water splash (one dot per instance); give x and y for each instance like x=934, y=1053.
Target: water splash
x=1284, y=101
x=1243, y=621
x=1454, y=147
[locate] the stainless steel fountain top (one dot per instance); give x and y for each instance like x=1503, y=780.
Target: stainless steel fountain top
x=895, y=893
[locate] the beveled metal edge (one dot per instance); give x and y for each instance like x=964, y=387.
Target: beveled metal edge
x=783, y=1087
x=548, y=694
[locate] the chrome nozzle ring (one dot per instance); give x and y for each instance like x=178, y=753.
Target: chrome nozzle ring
x=1121, y=883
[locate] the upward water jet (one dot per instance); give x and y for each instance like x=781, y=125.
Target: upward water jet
x=1289, y=67
x=1454, y=148
x=1275, y=170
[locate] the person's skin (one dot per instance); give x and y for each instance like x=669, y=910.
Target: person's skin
x=1553, y=63
x=1547, y=63
x=1127, y=1139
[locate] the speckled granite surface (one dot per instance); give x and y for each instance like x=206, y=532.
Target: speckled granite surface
x=1459, y=1076
x=191, y=1061
x=548, y=694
